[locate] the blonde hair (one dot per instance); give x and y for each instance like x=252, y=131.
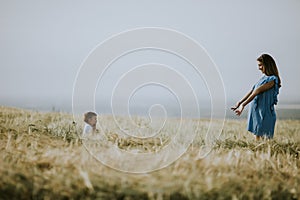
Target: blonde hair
x=88, y=116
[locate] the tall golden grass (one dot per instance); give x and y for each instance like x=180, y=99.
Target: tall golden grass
x=42, y=157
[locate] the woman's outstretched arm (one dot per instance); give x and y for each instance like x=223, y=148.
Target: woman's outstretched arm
x=241, y=101
x=257, y=91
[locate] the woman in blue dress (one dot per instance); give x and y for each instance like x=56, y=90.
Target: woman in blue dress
x=263, y=97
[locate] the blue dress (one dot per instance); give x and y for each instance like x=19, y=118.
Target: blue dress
x=261, y=115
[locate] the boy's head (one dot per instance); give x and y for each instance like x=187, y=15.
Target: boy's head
x=90, y=118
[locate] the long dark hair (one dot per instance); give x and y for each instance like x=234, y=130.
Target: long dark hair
x=270, y=66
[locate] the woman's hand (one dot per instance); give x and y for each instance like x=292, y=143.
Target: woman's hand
x=239, y=110
x=235, y=106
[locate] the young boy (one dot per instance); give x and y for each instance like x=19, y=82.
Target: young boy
x=90, y=119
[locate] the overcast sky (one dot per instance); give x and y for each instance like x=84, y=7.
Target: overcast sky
x=43, y=43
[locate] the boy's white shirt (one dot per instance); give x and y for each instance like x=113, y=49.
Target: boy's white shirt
x=87, y=130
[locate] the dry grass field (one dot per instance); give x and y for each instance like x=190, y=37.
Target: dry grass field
x=42, y=157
